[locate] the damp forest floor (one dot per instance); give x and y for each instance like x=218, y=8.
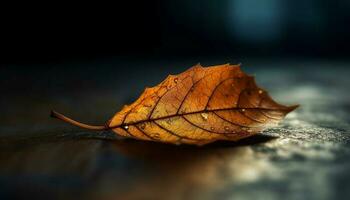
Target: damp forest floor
x=306, y=157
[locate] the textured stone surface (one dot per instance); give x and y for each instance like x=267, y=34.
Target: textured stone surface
x=306, y=157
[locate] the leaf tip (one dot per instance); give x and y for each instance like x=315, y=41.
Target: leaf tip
x=291, y=108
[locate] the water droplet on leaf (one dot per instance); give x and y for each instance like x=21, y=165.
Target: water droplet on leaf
x=156, y=136
x=204, y=116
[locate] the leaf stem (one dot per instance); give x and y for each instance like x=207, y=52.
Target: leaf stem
x=57, y=115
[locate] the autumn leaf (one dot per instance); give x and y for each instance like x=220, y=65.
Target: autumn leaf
x=198, y=106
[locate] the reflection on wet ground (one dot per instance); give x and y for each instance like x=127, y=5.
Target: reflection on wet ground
x=306, y=157
x=127, y=168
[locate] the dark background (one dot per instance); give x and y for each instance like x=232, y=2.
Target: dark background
x=235, y=29
x=87, y=59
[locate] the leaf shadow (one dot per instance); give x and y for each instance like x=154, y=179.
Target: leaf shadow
x=181, y=171
x=155, y=150
x=253, y=140
x=189, y=170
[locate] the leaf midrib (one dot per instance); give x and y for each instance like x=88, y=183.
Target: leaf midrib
x=195, y=112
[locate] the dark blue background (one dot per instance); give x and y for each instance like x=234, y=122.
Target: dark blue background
x=55, y=32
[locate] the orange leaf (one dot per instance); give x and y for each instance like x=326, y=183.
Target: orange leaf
x=198, y=106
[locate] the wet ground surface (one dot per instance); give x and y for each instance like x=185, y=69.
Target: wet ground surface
x=306, y=157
